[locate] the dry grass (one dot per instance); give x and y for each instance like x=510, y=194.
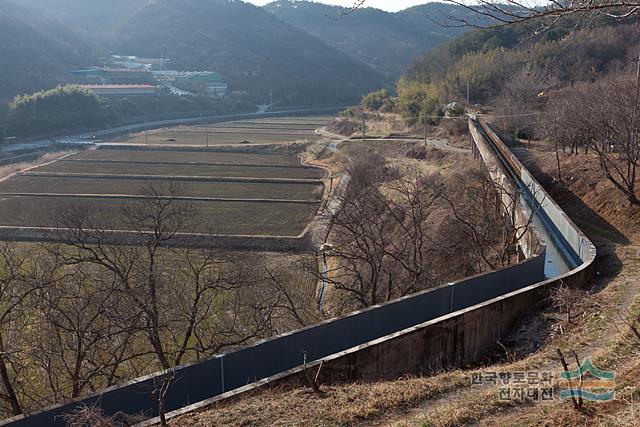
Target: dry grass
x=340, y=405
x=9, y=170
x=593, y=201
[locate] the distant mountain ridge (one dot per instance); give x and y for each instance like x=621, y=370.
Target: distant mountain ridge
x=386, y=41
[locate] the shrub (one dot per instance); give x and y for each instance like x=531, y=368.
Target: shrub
x=376, y=100
x=418, y=102
x=61, y=108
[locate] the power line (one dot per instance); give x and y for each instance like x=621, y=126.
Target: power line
x=464, y=117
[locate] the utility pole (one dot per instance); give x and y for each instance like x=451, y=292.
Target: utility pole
x=638, y=80
x=364, y=126
x=425, y=129
x=468, y=93
x=146, y=135
x=206, y=131
x=635, y=104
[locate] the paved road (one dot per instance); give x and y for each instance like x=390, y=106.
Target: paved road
x=137, y=127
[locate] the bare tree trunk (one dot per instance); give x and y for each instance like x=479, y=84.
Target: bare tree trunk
x=565, y=366
x=558, y=161
x=10, y=394
x=162, y=395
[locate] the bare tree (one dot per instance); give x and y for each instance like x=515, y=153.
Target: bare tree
x=495, y=13
x=172, y=296
x=520, y=100
x=381, y=245
x=361, y=236
x=506, y=12
x=83, y=341
x=566, y=299
x=16, y=292
x=604, y=117
x=289, y=291
x=489, y=215
x=410, y=204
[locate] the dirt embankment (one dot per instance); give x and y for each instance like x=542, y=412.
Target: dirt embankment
x=9, y=170
x=594, y=203
x=376, y=125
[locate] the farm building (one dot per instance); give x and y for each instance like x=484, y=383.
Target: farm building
x=123, y=90
x=201, y=82
x=99, y=75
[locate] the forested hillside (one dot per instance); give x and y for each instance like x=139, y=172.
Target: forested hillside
x=253, y=49
x=386, y=41
x=90, y=18
x=35, y=54
x=489, y=63
x=487, y=58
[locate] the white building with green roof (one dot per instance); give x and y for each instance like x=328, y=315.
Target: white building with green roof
x=199, y=82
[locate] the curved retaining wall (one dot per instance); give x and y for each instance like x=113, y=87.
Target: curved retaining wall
x=448, y=326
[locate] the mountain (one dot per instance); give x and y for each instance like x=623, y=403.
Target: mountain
x=92, y=19
x=386, y=41
x=253, y=49
x=35, y=53
x=485, y=62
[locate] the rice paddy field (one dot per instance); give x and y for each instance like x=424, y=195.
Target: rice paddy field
x=257, y=131
x=233, y=193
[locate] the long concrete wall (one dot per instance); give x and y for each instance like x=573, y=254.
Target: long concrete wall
x=214, y=376
x=576, y=245
x=508, y=193
x=445, y=327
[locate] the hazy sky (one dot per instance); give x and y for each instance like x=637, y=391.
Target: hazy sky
x=390, y=5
